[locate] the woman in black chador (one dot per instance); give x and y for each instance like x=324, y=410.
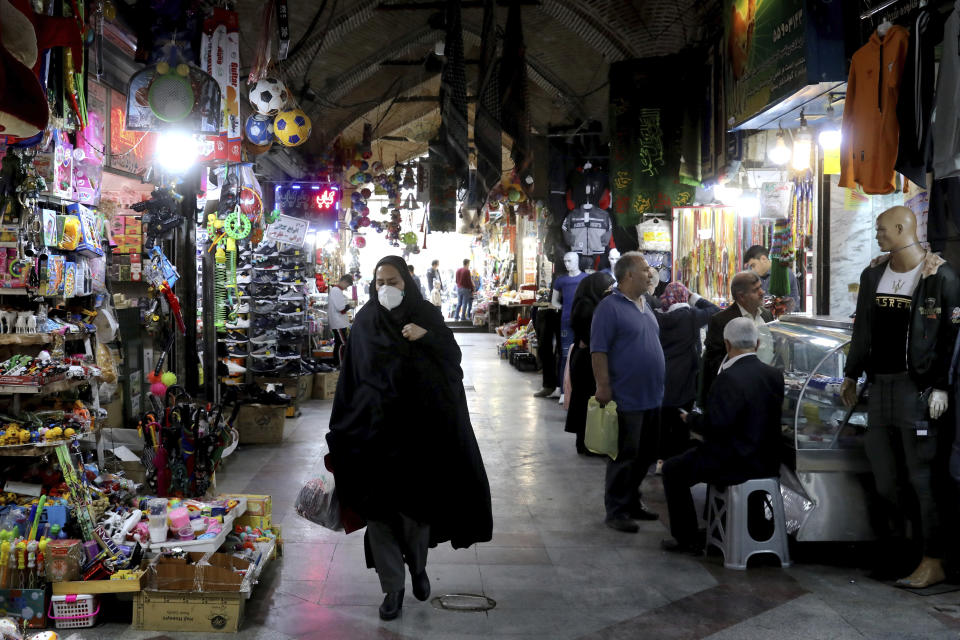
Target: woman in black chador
x=402, y=448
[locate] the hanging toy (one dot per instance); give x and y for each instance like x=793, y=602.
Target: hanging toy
x=272, y=217
x=259, y=130
x=171, y=97
x=237, y=225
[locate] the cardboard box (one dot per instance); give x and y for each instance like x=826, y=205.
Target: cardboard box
x=325, y=385
x=184, y=574
x=99, y=586
x=256, y=522
x=218, y=612
x=16, y=602
x=257, y=504
x=260, y=424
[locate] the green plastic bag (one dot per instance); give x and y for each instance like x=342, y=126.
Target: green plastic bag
x=602, y=428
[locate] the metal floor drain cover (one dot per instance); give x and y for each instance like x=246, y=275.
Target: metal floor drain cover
x=464, y=602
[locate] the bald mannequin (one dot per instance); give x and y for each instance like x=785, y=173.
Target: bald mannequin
x=908, y=308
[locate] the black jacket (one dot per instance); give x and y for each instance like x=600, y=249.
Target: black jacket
x=741, y=431
x=714, y=350
x=934, y=317
x=680, y=339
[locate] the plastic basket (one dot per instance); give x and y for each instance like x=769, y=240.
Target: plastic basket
x=73, y=611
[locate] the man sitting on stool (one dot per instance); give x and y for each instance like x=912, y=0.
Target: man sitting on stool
x=741, y=434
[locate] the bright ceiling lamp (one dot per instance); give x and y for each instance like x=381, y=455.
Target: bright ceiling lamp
x=780, y=153
x=829, y=139
x=802, y=146
x=176, y=151
x=748, y=205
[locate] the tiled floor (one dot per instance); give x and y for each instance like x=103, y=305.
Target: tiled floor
x=554, y=570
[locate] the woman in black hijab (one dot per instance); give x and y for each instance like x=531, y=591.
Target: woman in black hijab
x=590, y=291
x=402, y=448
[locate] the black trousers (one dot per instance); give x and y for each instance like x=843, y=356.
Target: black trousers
x=339, y=344
x=401, y=541
x=637, y=444
x=674, y=432
x=582, y=386
x=547, y=326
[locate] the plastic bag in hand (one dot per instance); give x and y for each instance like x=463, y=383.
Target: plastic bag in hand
x=317, y=502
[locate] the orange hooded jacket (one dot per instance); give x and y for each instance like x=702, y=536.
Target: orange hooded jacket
x=870, y=131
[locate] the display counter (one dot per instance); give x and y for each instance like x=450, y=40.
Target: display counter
x=825, y=474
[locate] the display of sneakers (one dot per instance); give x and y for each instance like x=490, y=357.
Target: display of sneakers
x=239, y=323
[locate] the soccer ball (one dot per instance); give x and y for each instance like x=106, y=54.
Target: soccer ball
x=259, y=130
x=292, y=127
x=268, y=96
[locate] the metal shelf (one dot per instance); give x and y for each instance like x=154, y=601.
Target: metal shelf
x=53, y=387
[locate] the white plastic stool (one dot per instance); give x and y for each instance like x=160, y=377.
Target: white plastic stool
x=727, y=517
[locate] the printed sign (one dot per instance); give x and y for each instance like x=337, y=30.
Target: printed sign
x=288, y=230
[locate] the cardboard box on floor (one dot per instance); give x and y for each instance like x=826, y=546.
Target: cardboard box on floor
x=218, y=572
x=325, y=385
x=260, y=423
x=170, y=611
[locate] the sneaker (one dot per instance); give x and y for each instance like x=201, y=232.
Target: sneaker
x=264, y=277
x=243, y=278
x=233, y=335
x=234, y=369
x=264, y=338
x=292, y=296
x=264, y=306
x=292, y=252
x=236, y=351
x=239, y=323
x=288, y=279
x=546, y=392
x=243, y=307
x=285, y=353
x=263, y=290
x=290, y=310
x=266, y=265
x=292, y=328
x=262, y=367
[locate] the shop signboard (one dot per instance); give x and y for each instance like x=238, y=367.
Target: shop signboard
x=318, y=202
x=288, y=230
x=775, y=48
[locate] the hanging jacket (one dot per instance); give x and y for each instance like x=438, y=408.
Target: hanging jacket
x=870, y=131
x=915, y=105
x=587, y=231
x=946, y=124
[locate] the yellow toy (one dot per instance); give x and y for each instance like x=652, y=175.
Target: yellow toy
x=69, y=433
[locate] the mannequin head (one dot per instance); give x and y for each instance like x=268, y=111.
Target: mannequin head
x=613, y=257
x=896, y=229
x=571, y=261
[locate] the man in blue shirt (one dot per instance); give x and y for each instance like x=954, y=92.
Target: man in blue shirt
x=628, y=365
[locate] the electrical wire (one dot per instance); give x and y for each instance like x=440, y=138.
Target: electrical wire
x=313, y=24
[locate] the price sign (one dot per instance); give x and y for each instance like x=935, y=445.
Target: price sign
x=288, y=230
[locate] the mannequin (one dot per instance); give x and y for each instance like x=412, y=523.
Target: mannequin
x=613, y=257
x=907, y=293
x=564, y=289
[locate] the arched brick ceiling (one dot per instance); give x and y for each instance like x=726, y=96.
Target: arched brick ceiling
x=570, y=45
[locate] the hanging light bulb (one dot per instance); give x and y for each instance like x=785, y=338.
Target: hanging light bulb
x=780, y=153
x=802, y=146
x=829, y=139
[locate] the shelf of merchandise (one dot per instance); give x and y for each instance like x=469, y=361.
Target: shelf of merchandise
x=36, y=338
x=39, y=449
x=53, y=387
x=208, y=544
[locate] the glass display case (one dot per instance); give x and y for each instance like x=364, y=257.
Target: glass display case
x=826, y=475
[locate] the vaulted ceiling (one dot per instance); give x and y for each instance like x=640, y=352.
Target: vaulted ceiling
x=366, y=60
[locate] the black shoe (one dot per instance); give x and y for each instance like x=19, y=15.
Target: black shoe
x=640, y=512
x=392, y=603
x=421, y=586
x=689, y=548
x=626, y=525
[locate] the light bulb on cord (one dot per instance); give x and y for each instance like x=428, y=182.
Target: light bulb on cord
x=176, y=151
x=780, y=154
x=802, y=146
x=829, y=139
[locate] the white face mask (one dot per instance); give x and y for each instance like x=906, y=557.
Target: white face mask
x=390, y=297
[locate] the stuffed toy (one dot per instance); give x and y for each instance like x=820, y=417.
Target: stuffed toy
x=24, y=36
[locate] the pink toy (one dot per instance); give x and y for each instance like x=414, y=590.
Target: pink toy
x=158, y=389
x=141, y=532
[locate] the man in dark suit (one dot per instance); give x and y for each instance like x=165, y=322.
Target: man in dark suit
x=741, y=434
x=746, y=290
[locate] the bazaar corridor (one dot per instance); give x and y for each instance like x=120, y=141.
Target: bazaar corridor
x=553, y=568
